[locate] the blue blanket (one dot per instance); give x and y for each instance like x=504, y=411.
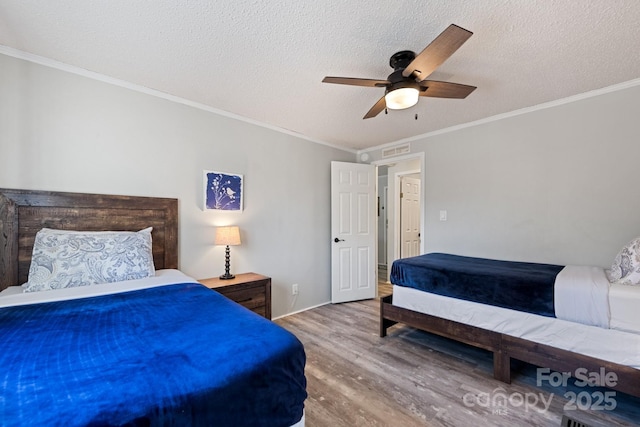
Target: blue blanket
x=176, y=355
x=519, y=286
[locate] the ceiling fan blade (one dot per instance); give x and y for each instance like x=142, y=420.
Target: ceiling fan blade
x=376, y=109
x=436, y=89
x=437, y=52
x=355, y=82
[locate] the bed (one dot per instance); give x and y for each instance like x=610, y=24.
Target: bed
x=153, y=351
x=572, y=320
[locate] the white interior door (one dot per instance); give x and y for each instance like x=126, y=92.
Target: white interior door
x=353, y=238
x=409, y=217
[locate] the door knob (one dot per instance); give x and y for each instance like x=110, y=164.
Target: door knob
x=338, y=240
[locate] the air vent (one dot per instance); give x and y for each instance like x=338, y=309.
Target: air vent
x=396, y=151
x=570, y=422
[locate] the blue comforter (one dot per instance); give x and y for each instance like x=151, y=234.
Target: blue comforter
x=519, y=286
x=175, y=355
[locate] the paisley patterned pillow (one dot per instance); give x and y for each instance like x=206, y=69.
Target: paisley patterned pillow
x=67, y=259
x=625, y=269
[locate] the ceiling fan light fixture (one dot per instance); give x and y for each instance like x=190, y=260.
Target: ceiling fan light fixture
x=402, y=98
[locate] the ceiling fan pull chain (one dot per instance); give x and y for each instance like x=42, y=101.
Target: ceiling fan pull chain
x=416, y=116
x=386, y=111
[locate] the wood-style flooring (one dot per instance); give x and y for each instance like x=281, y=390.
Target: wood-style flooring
x=384, y=287
x=412, y=378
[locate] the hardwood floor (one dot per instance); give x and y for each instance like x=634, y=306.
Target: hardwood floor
x=384, y=287
x=412, y=378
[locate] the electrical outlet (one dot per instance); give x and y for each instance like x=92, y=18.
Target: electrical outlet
x=294, y=289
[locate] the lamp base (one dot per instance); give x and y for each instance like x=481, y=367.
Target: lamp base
x=227, y=265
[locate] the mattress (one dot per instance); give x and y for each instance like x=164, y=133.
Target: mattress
x=14, y=295
x=624, y=306
x=613, y=345
x=172, y=353
x=580, y=294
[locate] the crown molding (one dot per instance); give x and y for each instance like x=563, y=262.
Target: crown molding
x=47, y=62
x=497, y=117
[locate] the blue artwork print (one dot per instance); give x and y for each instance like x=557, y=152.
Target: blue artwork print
x=223, y=191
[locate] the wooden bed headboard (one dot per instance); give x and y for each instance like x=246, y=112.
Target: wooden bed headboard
x=24, y=212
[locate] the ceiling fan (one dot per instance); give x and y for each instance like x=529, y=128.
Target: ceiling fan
x=408, y=81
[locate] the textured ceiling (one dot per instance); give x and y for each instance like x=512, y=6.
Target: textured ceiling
x=264, y=60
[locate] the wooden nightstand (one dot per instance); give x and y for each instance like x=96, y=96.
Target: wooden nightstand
x=248, y=289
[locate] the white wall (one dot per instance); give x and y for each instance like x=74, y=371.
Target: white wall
x=63, y=132
x=557, y=185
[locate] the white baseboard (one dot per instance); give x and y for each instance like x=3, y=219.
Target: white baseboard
x=300, y=311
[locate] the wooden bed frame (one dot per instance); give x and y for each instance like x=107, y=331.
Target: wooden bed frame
x=24, y=212
x=505, y=347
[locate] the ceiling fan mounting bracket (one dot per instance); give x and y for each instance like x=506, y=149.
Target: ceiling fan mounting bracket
x=400, y=60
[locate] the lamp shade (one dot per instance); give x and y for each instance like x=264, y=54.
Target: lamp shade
x=402, y=98
x=229, y=236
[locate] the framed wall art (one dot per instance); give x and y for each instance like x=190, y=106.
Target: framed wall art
x=223, y=191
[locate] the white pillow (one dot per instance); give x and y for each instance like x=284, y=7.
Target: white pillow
x=625, y=269
x=67, y=259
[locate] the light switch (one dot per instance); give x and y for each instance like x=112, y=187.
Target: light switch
x=443, y=215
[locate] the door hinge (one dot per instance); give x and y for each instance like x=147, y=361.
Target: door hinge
x=401, y=194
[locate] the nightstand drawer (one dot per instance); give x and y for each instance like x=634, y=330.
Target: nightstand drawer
x=250, y=297
x=250, y=290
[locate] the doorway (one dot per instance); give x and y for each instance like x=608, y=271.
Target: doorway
x=390, y=174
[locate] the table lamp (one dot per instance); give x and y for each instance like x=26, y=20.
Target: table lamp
x=229, y=236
